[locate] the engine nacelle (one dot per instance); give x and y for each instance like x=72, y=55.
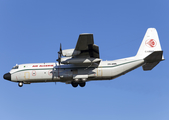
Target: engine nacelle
x=66, y=74
x=70, y=52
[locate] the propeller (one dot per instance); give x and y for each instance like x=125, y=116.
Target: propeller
x=60, y=51
x=59, y=54
x=59, y=57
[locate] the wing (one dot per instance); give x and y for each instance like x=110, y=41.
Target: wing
x=86, y=46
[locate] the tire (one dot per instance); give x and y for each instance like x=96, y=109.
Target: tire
x=74, y=84
x=20, y=84
x=82, y=84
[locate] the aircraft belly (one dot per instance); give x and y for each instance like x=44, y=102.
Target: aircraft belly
x=103, y=72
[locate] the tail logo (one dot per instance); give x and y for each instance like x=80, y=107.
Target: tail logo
x=151, y=43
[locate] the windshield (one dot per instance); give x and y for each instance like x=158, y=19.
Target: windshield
x=15, y=67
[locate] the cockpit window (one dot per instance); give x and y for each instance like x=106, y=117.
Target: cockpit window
x=15, y=67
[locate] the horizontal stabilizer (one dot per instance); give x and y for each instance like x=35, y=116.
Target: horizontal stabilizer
x=152, y=60
x=149, y=66
x=155, y=56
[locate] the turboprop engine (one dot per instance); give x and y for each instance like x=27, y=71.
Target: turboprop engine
x=70, y=52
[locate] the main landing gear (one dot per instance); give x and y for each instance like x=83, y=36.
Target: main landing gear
x=81, y=84
x=20, y=84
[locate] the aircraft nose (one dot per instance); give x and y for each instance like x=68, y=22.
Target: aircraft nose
x=7, y=76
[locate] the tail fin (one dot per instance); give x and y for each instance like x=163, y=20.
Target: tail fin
x=149, y=44
x=150, y=49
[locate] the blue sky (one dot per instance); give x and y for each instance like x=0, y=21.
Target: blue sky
x=31, y=31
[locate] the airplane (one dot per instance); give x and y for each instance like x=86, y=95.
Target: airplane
x=82, y=64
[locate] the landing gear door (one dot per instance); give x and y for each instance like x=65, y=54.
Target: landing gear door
x=80, y=76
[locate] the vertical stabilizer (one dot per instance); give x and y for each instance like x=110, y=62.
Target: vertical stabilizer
x=149, y=44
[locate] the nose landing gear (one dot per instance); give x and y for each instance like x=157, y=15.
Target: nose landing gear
x=20, y=84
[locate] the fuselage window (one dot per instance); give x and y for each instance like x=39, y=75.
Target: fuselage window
x=15, y=67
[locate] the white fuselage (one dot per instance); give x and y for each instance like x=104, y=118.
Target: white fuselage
x=52, y=72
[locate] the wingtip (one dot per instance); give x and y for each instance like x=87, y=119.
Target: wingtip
x=86, y=34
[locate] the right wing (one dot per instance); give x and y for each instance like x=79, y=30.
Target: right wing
x=87, y=51
x=86, y=46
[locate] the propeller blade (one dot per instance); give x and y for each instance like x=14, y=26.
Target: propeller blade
x=59, y=60
x=60, y=47
x=60, y=50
